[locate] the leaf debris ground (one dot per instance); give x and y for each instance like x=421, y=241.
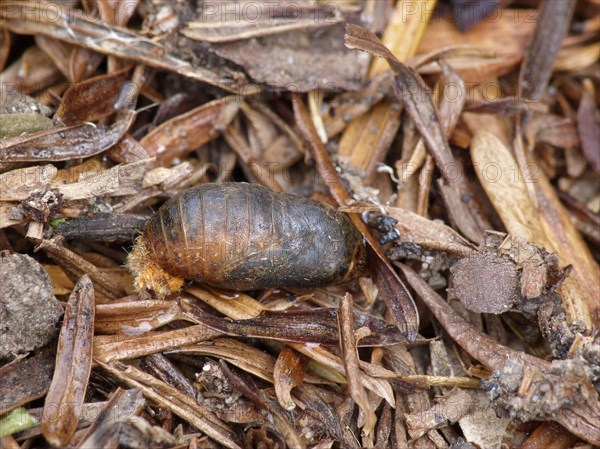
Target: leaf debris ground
x=469, y=160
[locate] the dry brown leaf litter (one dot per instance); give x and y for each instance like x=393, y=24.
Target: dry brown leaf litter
x=479, y=149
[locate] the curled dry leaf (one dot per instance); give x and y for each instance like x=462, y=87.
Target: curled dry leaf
x=95, y=98
x=287, y=374
x=65, y=398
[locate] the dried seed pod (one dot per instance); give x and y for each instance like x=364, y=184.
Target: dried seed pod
x=240, y=236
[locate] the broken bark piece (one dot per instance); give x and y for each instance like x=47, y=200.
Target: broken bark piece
x=484, y=282
x=303, y=44
x=28, y=309
x=115, y=227
x=25, y=381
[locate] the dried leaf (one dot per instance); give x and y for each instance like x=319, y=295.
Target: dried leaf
x=65, y=398
x=351, y=364
x=76, y=266
x=287, y=374
x=450, y=407
x=94, y=98
x=64, y=143
x=189, y=131
x=37, y=18
x=178, y=403
x=588, y=125
x=123, y=405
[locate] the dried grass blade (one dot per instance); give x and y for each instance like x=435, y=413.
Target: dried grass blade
x=351, y=364
x=119, y=347
x=73, y=366
x=172, y=399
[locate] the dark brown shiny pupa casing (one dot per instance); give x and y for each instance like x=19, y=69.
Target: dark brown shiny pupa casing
x=240, y=236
